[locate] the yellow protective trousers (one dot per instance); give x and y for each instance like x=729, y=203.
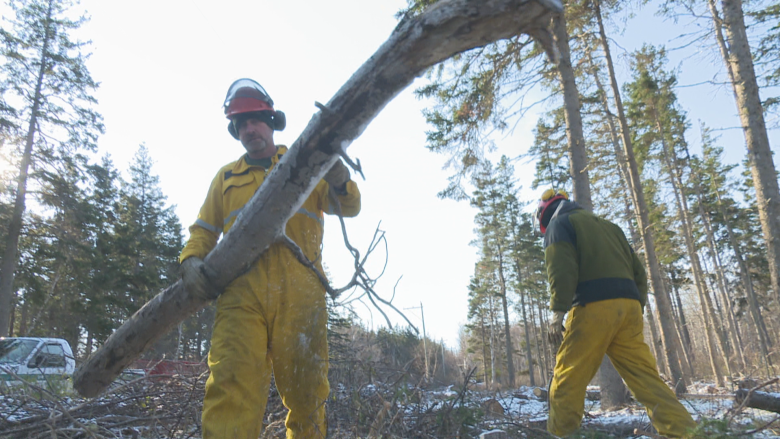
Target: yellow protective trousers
x=612, y=327
x=274, y=317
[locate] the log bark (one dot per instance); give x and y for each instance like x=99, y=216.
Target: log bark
x=759, y=400
x=445, y=29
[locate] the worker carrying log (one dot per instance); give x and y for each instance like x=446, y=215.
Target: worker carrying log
x=273, y=317
x=596, y=277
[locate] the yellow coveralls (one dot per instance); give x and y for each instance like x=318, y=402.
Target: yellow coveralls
x=613, y=327
x=273, y=317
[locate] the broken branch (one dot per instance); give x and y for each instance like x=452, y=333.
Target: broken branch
x=417, y=43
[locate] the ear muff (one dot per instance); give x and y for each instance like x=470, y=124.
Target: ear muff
x=232, y=130
x=280, y=121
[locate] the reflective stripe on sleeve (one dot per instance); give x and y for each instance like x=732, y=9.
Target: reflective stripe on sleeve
x=311, y=215
x=232, y=215
x=200, y=223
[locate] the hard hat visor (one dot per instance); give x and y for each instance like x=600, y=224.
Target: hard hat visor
x=246, y=96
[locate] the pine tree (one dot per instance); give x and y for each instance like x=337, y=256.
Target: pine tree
x=490, y=194
x=45, y=72
x=148, y=236
x=657, y=119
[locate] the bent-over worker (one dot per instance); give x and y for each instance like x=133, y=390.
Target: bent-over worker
x=596, y=277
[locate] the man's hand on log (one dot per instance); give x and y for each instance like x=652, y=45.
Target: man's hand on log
x=195, y=275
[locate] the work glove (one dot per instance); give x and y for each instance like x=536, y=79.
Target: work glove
x=338, y=175
x=195, y=275
x=555, y=331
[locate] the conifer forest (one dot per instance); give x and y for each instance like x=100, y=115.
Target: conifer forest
x=86, y=241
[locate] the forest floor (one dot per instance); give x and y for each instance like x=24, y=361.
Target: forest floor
x=169, y=407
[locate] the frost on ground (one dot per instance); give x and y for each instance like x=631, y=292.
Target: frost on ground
x=169, y=407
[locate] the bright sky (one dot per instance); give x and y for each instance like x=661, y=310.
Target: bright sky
x=165, y=67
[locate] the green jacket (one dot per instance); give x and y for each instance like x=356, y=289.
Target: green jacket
x=589, y=259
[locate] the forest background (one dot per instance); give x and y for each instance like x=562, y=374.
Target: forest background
x=100, y=233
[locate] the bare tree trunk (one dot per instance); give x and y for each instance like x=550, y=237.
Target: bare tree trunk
x=685, y=333
x=528, y=352
x=708, y=312
x=23, y=319
x=445, y=29
x=527, y=329
x=654, y=336
x=739, y=60
x=755, y=312
x=510, y=364
x=629, y=213
x=733, y=326
x=541, y=346
x=549, y=355
x=645, y=230
x=578, y=155
x=484, y=349
x=10, y=256
x=492, y=340
x=614, y=392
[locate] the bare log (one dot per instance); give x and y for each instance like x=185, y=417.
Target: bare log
x=445, y=29
x=758, y=400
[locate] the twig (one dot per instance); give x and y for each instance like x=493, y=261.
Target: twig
x=759, y=429
x=55, y=399
x=360, y=278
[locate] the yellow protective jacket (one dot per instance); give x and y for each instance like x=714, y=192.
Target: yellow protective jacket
x=232, y=188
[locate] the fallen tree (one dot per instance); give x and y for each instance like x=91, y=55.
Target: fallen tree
x=417, y=43
x=758, y=400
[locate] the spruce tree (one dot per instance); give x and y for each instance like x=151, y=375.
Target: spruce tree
x=47, y=109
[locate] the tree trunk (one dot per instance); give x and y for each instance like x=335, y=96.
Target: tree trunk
x=10, y=256
x=747, y=283
x=758, y=400
x=526, y=328
x=417, y=43
x=654, y=337
x=23, y=319
x=528, y=352
x=541, y=345
x=708, y=312
x=510, y=364
x=492, y=339
x=739, y=60
x=578, y=155
x=721, y=284
x=685, y=334
x=484, y=349
x=645, y=228
x=615, y=392
x=629, y=213
x=549, y=354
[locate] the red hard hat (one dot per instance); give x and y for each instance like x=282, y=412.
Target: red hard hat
x=548, y=197
x=246, y=96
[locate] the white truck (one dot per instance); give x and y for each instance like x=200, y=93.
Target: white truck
x=35, y=359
